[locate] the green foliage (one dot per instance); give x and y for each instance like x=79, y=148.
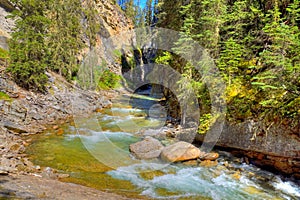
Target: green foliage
x=4, y=57
x=4, y=96
x=117, y=53
x=28, y=49
x=149, y=13
x=91, y=25
x=255, y=45
x=64, y=41
x=130, y=10
x=108, y=80
x=206, y=121
x=50, y=35
x=134, y=11
x=4, y=54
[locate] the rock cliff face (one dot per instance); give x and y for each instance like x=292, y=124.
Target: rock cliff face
x=112, y=23
x=6, y=24
x=111, y=19
x=273, y=147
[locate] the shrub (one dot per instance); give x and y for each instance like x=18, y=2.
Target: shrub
x=108, y=80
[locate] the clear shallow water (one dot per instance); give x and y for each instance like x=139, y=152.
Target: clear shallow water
x=97, y=155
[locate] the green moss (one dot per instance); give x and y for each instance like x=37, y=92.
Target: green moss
x=3, y=54
x=4, y=57
x=4, y=96
x=151, y=174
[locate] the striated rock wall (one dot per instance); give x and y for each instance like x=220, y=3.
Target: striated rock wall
x=6, y=24
x=113, y=23
x=274, y=146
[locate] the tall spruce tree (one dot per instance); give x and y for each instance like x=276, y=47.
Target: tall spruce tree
x=278, y=79
x=28, y=49
x=149, y=12
x=65, y=38
x=90, y=23
x=130, y=10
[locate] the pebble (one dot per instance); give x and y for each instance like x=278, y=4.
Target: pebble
x=3, y=173
x=60, y=132
x=208, y=163
x=61, y=176
x=191, y=163
x=210, y=156
x=236, y=175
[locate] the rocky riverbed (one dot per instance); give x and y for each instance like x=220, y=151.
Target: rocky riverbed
x=24, y=113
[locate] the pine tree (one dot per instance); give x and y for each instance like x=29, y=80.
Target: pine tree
x=28, y=50
x=183, y=47
x=91, y=24
x=169, y=14
x=276, y=78
x=140, y=18
x=210, y=19
x=130, y=10
x=65, y=38
x=149, y=12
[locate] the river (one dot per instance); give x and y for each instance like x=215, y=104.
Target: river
x=94, y=151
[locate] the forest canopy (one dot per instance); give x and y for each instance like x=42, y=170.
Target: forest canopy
x=254, y=44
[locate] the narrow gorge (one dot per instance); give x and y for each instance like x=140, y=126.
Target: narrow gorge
x=104, y=99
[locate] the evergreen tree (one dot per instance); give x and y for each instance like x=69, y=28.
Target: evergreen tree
x=210, y=19
x=149, y=12
x=28, y=50
x=91, y=23
x=130, y=10
x=280, y=86
x=183, y=47
x=140, y=18
x=169, y=14
x=65, y=39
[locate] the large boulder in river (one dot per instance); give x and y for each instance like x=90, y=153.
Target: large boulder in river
x=148, y=148
x=180, y=151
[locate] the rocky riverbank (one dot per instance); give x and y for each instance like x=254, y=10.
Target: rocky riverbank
x=274, y=147
x=33, y=187
x=23, y=113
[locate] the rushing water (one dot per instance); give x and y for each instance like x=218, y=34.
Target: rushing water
x=97, y=155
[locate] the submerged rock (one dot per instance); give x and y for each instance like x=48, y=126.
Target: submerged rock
x=180, y=151
x=191, y=163
x=209, y=156
x=208, y=163
x=60, y=132
x=149, y=148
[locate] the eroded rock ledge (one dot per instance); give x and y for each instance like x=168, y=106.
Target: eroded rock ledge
x=275, y=147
